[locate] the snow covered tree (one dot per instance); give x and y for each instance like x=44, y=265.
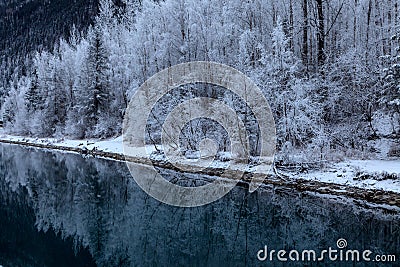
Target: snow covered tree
x=15, y=114
x=390, y=95
x=9, y=107
x=296, y=107
x=32, y=95
x=94, y=95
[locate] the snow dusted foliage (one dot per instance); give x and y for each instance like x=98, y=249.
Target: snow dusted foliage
x=15, y=106
x=390, y=96
x=325, y=89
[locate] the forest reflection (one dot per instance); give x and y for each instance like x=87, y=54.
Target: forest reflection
x=95, y=204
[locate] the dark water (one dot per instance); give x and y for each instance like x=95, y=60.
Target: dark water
x=59, y=209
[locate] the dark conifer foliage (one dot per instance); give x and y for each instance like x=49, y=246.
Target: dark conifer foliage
x=29, y=25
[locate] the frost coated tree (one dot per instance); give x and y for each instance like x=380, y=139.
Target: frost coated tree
x=40, y=117
x=57, y=97
x=9, y=107
x=390, y=96
x=48, y=107
x=32, y=95
x=279, y=70
x=25, y=110
x=15, y=113
x=75, y=121
x=95, y=96
x=296, y=112
x=28, y=93
x=97, y=90
x=21, y=124
x=117, y=37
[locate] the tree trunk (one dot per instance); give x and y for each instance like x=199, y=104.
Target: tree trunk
x=355, y=23
x=304, y=53
x=291, y=27
x=389, y=28
x=320, y=34
x=368, y=30
x=378, y=28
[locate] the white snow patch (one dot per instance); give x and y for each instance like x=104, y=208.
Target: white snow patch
x=346, y=173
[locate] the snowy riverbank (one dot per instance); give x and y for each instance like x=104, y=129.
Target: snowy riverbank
x=111, y=145
x=374, y=180
x=369, y=174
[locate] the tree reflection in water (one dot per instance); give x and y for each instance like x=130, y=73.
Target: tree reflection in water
x=96, y=203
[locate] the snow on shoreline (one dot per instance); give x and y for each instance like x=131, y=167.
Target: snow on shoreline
x=110, y=145
x=366, y=174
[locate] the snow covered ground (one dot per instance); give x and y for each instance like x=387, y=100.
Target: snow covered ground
x=111, y=145
x=368, y=174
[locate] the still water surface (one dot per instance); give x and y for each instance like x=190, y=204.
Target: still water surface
x=60, y=209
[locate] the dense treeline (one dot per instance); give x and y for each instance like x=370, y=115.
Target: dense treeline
x=330, y=69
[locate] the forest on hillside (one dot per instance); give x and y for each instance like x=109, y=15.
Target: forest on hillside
x=329, y=69
x=36, y=25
